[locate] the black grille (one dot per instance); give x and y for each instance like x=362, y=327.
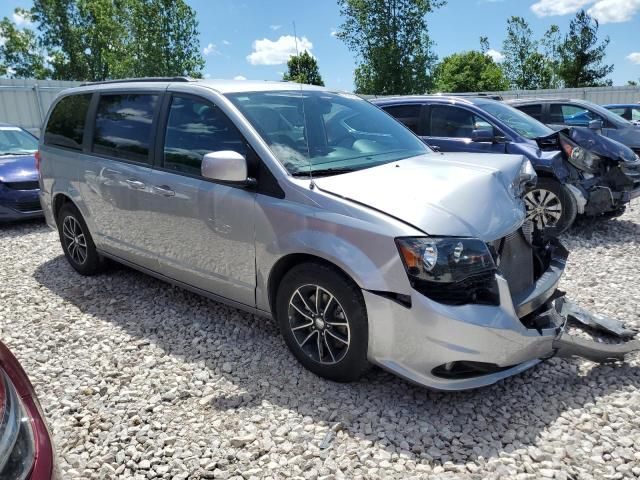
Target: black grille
x=480, y=289
x=516, y=262
x=32, y=206
x=22, y=185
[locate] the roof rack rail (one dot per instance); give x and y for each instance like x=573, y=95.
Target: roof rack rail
x=139, y=79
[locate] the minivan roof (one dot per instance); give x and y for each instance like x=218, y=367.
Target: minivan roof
x=221, y=86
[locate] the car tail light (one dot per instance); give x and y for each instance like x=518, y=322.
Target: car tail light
x=37, y=157
x=17, y=444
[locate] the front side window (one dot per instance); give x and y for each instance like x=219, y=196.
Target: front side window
x=407, y=114
x=515, y=119
x=15, y=141
x=66, y=123
x=194, y=128
x=635, y=114
x=123, y=127
x=324, y=132
x=454, y=122
x=573, y=115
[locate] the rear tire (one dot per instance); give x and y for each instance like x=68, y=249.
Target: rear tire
x=77, y=242
x=323, y=319
x=551, y=206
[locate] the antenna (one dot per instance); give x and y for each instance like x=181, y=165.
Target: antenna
x=304, y=113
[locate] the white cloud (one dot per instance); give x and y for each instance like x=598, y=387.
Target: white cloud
x=207, y=75
x=634, y=58
x=226, y=42
x=210, y=49
x=605, y=11
x=275, y=27
x=269, y=52
x=548, y=8
x=21, y=20
x=614, y=11
x=239, y=77
x=334, y=32
x=496, y=55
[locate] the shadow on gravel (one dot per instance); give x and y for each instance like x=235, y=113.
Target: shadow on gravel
x=249, y=353
x=21, y=228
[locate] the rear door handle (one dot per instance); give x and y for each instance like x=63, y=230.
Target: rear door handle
x=135, y=184
x=163, y=190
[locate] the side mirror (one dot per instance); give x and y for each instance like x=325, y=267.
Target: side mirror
x=483, y=135
x=595, y=124
x=225, y=166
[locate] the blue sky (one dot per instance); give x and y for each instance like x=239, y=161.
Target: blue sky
x=252, y=38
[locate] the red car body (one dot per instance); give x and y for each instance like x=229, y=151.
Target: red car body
x=40, y=445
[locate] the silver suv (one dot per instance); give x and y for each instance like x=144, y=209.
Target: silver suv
x=313, y=207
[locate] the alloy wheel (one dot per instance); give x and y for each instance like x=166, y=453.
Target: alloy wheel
x=319, y=324
x=75, y=240
x=544, y=208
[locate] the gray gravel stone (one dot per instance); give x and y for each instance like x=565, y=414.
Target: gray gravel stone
x=139, y=379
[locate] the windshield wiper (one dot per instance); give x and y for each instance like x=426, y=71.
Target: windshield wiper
x=322, y=172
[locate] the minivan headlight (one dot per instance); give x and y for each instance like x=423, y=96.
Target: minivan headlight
x=450, y=270
x=580, y=157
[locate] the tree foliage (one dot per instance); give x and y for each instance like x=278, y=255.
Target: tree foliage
x=303, y=68
x=391, y=42
x=20, y=56
x=524, y=66
x=581, y=56
x=469, y=72
x=101, y=39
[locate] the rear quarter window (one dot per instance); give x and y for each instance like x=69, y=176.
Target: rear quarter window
x=534, y=111
x=67, y=121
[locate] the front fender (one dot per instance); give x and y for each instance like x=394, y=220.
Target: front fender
x=364, y=250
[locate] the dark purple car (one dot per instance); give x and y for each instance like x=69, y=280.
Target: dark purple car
x=19, y=188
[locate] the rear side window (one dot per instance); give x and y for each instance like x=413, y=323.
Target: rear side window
x=454, y=122
x=534, y=111
x=66, y=123
x=123, y=127
x=194, y=128
x=407, y=114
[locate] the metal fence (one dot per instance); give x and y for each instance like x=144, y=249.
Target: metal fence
x=26, y=102
x=600, y=95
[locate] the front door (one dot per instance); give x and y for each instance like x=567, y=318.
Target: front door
x=203, y=231
x=450, y=128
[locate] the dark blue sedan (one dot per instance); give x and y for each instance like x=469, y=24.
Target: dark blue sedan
x=19, y=188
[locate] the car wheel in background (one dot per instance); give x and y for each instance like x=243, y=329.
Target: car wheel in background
x=323, y=319
x=550, y=206
x=77, y=243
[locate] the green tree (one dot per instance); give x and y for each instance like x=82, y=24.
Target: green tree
x=303, y=68
x=581, y=56
x=524, y=66
x=20, y=56
x=551, y=43
x=102, y=39
x=165, y=39
x=469, y=72
x=391, y=43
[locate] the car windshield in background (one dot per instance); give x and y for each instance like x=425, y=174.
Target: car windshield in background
x=522, y=123
x=15, y=141
x=326, y=133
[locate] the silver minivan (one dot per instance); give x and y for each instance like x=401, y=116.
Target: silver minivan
x=313, y=207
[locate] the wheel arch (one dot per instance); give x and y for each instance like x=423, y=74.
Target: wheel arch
x=59, y=200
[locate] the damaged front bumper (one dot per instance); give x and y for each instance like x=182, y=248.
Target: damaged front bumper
x=463, y=347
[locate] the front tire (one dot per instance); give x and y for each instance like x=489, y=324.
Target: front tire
x=77, y=242
x=323, y=319
x=551, y=206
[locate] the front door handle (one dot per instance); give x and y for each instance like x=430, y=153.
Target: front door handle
x=135, y=184
x=163, y=190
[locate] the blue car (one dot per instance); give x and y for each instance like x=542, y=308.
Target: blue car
x=579, y=171
x=629, y=111
x=19, y=188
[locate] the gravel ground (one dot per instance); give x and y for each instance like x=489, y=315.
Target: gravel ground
x=141, y=379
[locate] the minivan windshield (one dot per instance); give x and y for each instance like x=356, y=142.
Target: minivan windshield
x=15, y=141
x=325, y=133
x=519, y=121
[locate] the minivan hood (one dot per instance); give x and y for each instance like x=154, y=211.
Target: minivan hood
x=18, y=168
x=453, y=194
